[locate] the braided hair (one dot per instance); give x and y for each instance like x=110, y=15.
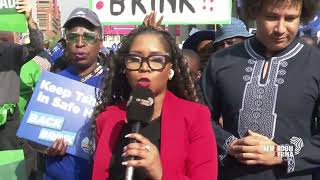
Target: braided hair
x=116, y=86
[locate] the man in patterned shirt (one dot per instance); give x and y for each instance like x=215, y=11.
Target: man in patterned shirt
x=267, y=91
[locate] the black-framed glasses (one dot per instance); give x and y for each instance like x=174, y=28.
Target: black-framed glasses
x=88, y=37
x=155, y=62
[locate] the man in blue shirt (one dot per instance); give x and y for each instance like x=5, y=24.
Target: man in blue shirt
x=83, y=32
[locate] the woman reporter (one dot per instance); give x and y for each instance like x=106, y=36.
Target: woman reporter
x=179, y=142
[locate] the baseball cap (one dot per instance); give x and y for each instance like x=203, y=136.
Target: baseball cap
x=86, y=14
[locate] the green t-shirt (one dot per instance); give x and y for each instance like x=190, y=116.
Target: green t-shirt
x=29, y=76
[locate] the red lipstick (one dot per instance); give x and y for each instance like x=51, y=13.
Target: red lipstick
x=143, y=82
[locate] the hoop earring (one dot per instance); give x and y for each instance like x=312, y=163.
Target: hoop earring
x=171, y=74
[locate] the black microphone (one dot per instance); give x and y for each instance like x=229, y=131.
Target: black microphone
x=140, y=108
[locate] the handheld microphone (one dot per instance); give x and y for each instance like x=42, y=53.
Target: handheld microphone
x=140, y=108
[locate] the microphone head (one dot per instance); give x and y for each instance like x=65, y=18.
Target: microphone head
x=140, y=105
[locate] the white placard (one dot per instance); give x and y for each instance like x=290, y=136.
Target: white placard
x=174, y=11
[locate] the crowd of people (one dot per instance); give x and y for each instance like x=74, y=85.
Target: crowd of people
x=229, y=105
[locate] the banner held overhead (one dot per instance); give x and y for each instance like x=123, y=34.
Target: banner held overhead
x=174, y=11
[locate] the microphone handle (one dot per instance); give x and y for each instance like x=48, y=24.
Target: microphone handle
x=135, y=128
x=129, y=173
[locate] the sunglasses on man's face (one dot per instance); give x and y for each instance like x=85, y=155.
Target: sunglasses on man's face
x=87, y=37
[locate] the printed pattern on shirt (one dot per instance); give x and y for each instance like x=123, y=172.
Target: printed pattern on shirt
x=225, y=147
x=259, y=100
x=291, y=164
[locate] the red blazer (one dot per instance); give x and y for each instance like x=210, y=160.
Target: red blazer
x=188, y=147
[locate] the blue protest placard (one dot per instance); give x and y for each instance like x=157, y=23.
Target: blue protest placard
x=60, y=107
